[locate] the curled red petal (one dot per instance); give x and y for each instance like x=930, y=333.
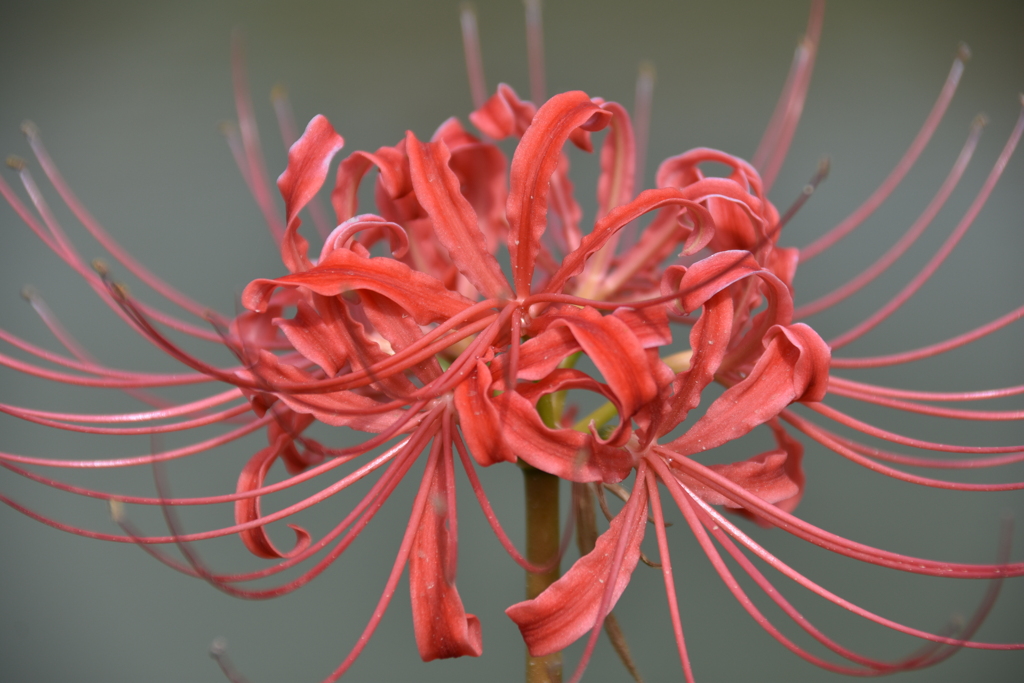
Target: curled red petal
x=314, y=338
x=794, y=450
x=535, y=160
x=569, y=607
x=454, y=222
x=503, y=114
x=309, y=160
x=425, y=298
x=793, y=367
x=707, y=277
x=308, y=163
x=400, y=330
x=394, y=176
x=377, y=226
x=618, y=162
x=618, y=354
x=248, y=509
x=648, y=324
x=482, y=425
x=763, y=475
x=618, y=218
x=709, y=340
x=482, y=170
x=566, y=453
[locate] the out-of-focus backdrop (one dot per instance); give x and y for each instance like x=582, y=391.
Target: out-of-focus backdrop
x=128, y=97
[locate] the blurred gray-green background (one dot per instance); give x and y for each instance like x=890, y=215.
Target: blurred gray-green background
x=128, y=97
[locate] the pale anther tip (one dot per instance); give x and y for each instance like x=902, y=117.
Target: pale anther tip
x=15, y=162
x=1020, y=96
x=120, y=290
x=28, y=293
x=647, y=69
x=824, y=167
x=278, y=93
x=30, y=129
x=467, y=8
x=227, y=128
x=218, y=647
x=963, y=52
x=100, y=266
x=116, y=510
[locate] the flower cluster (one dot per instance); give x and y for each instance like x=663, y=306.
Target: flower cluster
x=407, y=327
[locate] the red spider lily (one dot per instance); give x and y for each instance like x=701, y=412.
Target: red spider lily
x=768, y=363
x=434, y=345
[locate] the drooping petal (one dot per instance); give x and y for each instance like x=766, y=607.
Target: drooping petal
x=569, y=607
x=443, y=628
x=248, y=509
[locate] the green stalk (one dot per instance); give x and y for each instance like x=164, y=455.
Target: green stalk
x=542, y=540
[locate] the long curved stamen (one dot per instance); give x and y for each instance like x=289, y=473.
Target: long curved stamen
x=947, y=247
x=97, y=231
x=771, y=153
x=256, y=167
x=865, y=428
x=821, y=436
x=474, y=58
x=53, y=236
x=932, y=349
x=838, y=544
x=812, y=586
x=889, y=392
x=895, y=177
x=535, y=50
x=909, y=237
x=666, y=571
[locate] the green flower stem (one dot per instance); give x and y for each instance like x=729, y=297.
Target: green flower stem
x=542, y=540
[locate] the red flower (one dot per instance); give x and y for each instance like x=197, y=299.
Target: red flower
x=428, y=347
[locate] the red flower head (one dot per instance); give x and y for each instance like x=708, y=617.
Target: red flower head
x=474, y=315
